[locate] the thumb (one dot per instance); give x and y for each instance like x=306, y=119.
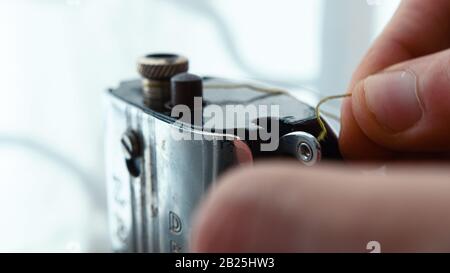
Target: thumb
x=406, y=108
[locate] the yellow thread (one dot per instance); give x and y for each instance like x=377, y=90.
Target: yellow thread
x=324, y=132
x=227, y=86
x=244, y=85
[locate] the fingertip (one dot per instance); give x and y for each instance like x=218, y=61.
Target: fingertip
x=244, y=214
x=405, y=108
x=219, y=225
x=216, y=227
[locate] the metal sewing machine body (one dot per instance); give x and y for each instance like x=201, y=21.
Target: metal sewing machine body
x=155, y=181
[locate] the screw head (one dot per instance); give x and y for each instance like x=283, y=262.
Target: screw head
x=130, y=145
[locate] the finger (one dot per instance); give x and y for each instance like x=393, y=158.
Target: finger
x=284, y=208
x=406, y=108
x=417, y=29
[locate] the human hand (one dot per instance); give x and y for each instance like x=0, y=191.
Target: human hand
x=400, y=109
x=400, y=106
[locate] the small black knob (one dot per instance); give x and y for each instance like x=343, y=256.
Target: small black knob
x=184, y=88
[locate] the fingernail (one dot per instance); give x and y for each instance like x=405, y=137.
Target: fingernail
x=392, y=98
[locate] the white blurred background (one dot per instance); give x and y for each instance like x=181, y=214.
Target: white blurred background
x=58, y=56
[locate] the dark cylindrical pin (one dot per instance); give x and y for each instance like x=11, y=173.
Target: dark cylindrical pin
x=184, y=88
x=187, y=89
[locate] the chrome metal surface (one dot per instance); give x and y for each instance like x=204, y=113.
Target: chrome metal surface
x=152, y=212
